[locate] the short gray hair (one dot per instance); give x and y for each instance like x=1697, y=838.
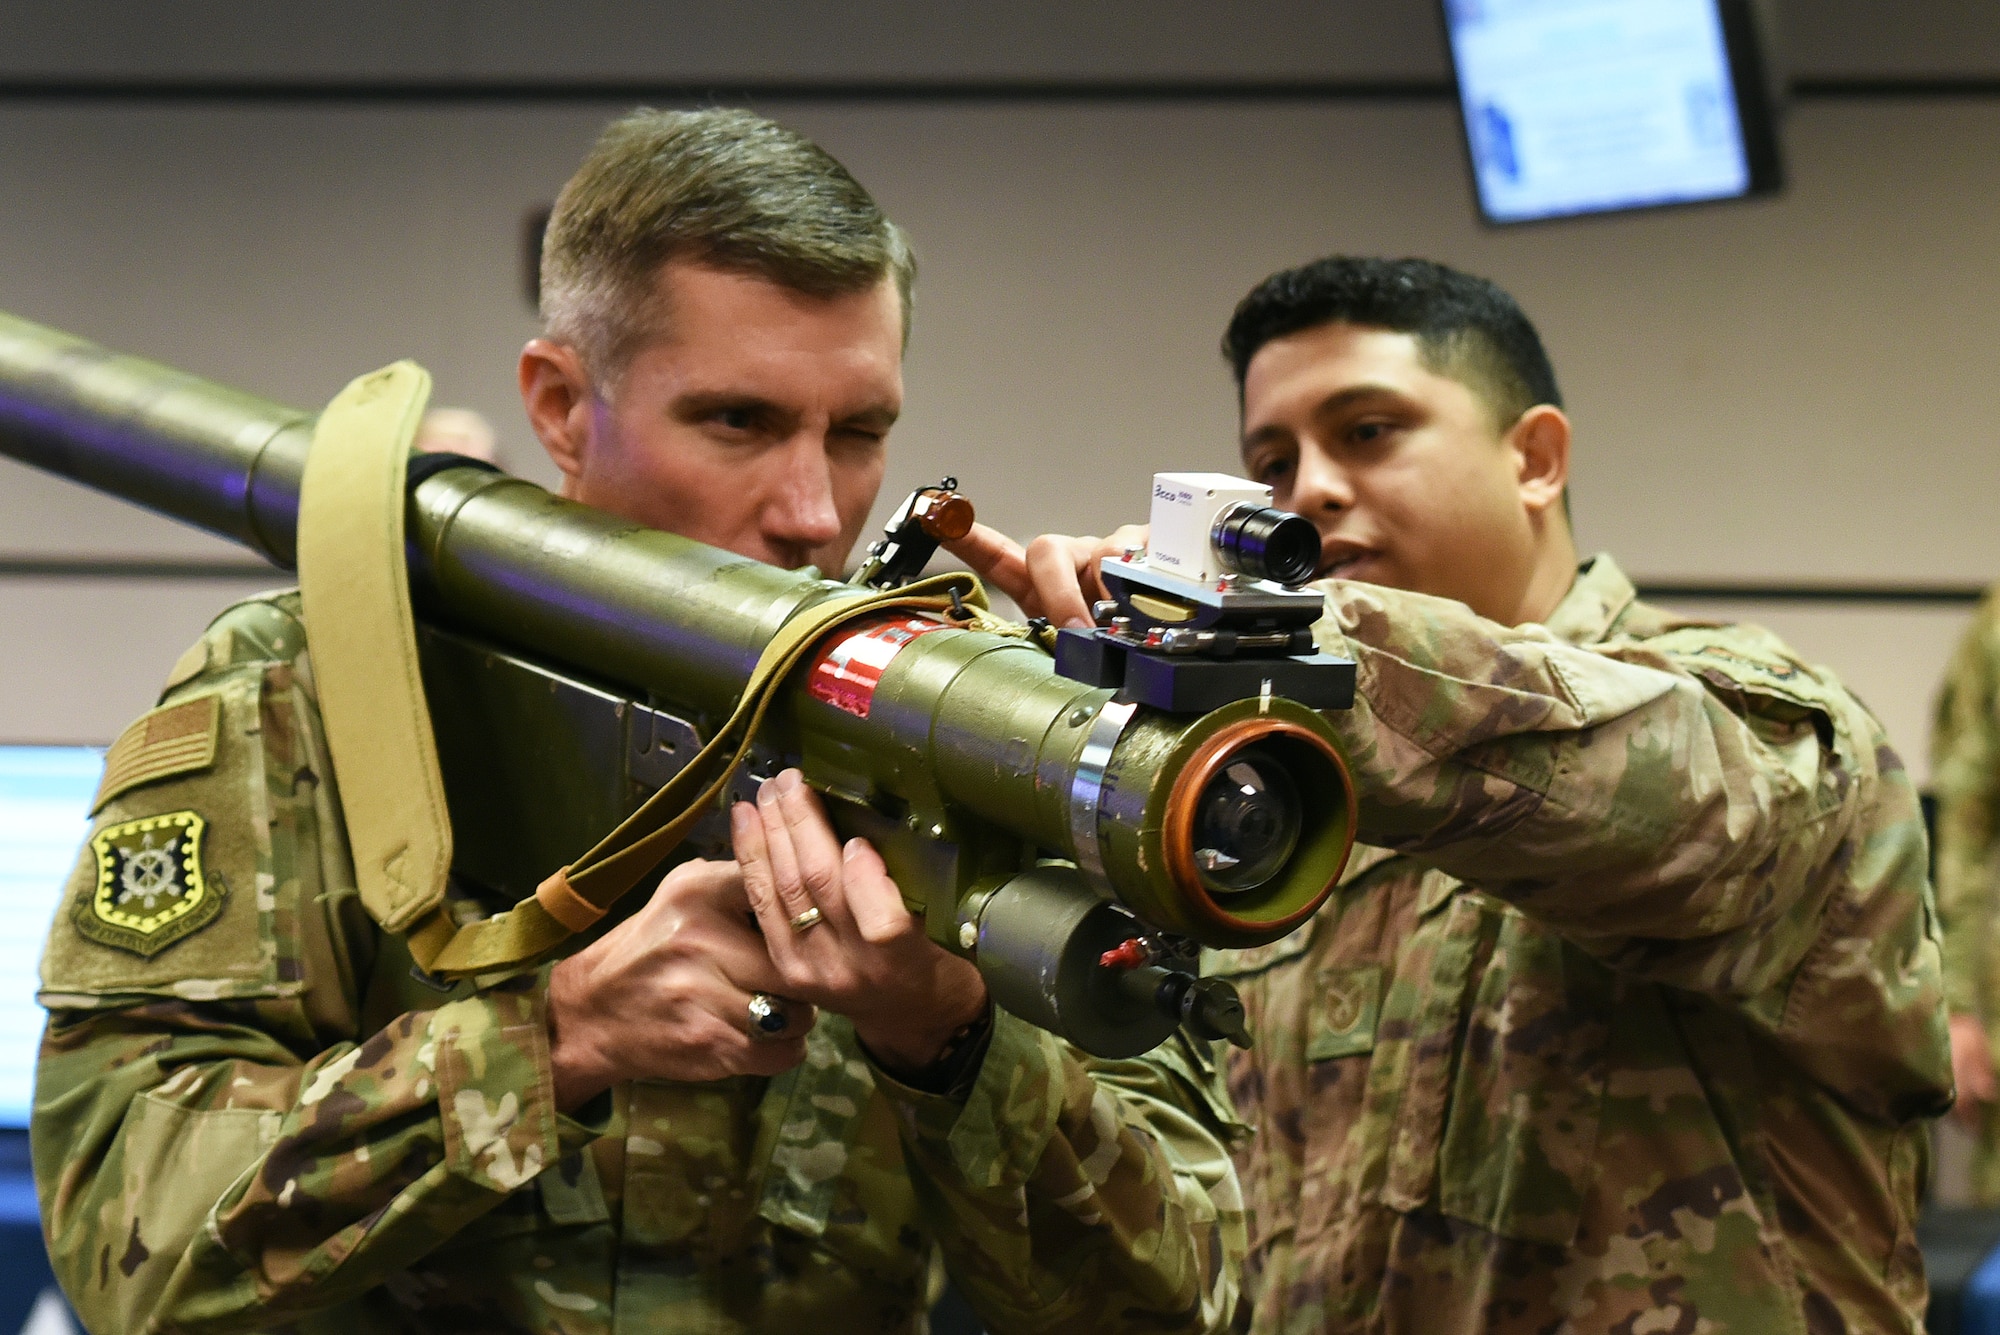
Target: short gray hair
x=721, y=187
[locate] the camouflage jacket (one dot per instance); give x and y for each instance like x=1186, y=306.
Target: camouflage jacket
x=1965, y=775
x=1629, y=1018
x=251, y=1115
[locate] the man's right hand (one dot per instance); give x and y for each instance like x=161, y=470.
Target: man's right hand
x=665, y=995
x=1053, y=576
x=1972, y=1067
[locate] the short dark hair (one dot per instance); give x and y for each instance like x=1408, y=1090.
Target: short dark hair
x=1465, y=327
x=721, y=187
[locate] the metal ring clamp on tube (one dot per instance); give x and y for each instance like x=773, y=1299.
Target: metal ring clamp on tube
x=1087, y=788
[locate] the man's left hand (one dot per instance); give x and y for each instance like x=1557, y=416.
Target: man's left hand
x=866, y=956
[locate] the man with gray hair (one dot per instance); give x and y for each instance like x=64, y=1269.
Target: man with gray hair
x=716, y=1112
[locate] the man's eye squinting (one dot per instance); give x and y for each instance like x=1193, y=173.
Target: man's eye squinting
x=1271, y=472
x=734, y=419
x=856, y=437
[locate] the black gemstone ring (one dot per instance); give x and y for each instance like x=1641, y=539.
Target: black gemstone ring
x=767, y=1015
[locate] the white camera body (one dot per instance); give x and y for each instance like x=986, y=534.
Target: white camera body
x=1185, y=509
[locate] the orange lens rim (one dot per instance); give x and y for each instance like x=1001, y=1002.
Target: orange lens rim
x=1177, y=829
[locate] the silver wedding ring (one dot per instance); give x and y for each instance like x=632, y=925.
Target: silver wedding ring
x=806, y=921
x=767, y=1016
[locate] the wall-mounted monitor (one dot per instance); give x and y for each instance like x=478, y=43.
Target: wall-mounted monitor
x=45, y=794
x=1594, y=106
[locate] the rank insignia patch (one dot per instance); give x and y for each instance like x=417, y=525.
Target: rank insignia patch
x=150, y=889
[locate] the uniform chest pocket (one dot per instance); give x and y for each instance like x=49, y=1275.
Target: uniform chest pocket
x=1518, y=1153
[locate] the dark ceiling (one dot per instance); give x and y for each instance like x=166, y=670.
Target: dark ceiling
x=674, y=42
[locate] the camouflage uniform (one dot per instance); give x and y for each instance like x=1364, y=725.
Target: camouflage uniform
x=272, y=1124
x=1965, y=775
x=1629, y=1018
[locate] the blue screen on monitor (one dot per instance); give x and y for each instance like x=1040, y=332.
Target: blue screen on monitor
x=45, y=794
x=1586, y=106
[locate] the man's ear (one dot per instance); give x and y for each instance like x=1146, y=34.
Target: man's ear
x=560, y=400
x=1540, y=442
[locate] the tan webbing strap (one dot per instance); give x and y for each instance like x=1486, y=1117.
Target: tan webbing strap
x=575, y=897
x=362, y=638
x=560, y=901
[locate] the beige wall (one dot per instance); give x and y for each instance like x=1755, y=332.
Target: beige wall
x=1798, y=389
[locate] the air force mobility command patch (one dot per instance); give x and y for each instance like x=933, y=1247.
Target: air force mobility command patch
x=150, y=889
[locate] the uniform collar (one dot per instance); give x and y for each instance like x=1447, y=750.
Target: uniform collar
x=1594, y=602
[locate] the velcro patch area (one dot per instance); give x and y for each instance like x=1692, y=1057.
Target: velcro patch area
x=173, y=739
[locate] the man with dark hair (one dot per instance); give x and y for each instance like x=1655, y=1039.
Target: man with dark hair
x=1628, y=1015
x=266, y=1118
x=1465, y=327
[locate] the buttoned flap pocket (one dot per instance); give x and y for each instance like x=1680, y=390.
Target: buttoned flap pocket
x=1344, y=1012
x=1518, y=1155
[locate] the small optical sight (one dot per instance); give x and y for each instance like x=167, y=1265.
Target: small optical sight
x=1259, y=542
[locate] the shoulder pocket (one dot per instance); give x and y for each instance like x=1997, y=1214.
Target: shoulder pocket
x=1754, y=675
x=187, y=886
x=174, y=739
x=1807, y=721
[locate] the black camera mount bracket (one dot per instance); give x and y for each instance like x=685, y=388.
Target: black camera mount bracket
x=1186, y=646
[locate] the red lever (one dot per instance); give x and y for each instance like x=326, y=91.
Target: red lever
x=1132, y=954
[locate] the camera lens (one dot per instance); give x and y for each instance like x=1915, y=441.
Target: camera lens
x=1264, y=543
x=1246, y=823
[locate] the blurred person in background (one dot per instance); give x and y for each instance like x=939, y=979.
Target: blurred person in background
x=458, y=431
x=1965, y=776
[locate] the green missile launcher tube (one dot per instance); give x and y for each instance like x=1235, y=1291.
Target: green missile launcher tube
x=574, y=661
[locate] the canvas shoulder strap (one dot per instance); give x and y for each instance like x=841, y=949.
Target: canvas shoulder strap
x=361, y=637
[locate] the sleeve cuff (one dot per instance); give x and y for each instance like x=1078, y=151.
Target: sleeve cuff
x=496, y=1091
x=996, y=1134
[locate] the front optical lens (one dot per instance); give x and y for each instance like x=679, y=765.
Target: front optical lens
x=1246, y=823
x=1264, y=543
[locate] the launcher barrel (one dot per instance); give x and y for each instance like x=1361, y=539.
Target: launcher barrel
x=963, y=754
